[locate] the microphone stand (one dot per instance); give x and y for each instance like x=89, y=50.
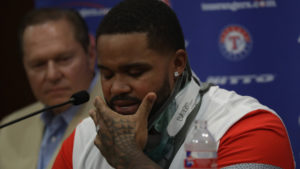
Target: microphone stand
x=37, y=112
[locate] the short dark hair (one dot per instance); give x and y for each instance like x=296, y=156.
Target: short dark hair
x=153, y=17
x=43, y=15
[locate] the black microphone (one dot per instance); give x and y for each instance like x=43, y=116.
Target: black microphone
x=80, y=97
x=76, y=99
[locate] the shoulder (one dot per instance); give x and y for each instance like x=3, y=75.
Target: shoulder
x=77, y=144
x=86, y=128
x=222, y=98
x=85, y=153
x=84, y=132
x=23, y=111
x=258, y=137
x=222, y=108
x=84, y=139
x=29, y=126
x=21, y=141
x=64, y=157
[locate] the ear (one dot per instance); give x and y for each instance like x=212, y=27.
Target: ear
x=179, y=61
x=92, y=52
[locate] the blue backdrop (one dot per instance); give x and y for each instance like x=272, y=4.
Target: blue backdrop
x=250, y=46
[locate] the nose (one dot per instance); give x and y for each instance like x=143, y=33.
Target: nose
x=119, y=86
x=53, y=73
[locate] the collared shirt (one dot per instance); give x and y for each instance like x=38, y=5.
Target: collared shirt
x=55, y=127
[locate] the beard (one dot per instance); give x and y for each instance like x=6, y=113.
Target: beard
x=162, y=95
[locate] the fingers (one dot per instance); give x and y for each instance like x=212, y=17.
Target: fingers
x=146, y=105
x=100, y=111
x=93, y=115
x=97, y=142
x=97, y=115
x=99, y=104
x=142, y=119
x=100, y=146
x=103, y=110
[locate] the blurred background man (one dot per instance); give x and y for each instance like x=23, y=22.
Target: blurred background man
x=59, y=59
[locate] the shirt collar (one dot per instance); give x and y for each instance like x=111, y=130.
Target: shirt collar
x=67, y=115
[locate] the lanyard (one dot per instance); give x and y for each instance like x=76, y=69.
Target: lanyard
x=164, y=153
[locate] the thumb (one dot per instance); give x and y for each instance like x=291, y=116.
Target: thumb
x=142, y=119
x=146, y=105
x=93, y=115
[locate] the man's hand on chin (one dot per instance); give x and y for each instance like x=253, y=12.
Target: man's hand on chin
x=121, y=138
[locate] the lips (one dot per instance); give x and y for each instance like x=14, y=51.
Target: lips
x=56, y=91
x=125, y=107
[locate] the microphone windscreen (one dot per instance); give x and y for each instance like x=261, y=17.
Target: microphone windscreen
x=80, y=97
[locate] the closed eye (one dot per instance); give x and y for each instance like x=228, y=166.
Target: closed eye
x=105, y=72
x=107, y=76
x=38, y=64
x=137, y=70
x=64, y=59
x=135, y=73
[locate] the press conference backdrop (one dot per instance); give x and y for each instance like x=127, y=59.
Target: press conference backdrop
x=249, y=46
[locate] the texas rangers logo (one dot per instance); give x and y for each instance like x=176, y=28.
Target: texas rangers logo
x=235, y=42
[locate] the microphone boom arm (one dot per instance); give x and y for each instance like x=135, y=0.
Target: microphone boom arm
x=35, y=113
x=76, y=99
